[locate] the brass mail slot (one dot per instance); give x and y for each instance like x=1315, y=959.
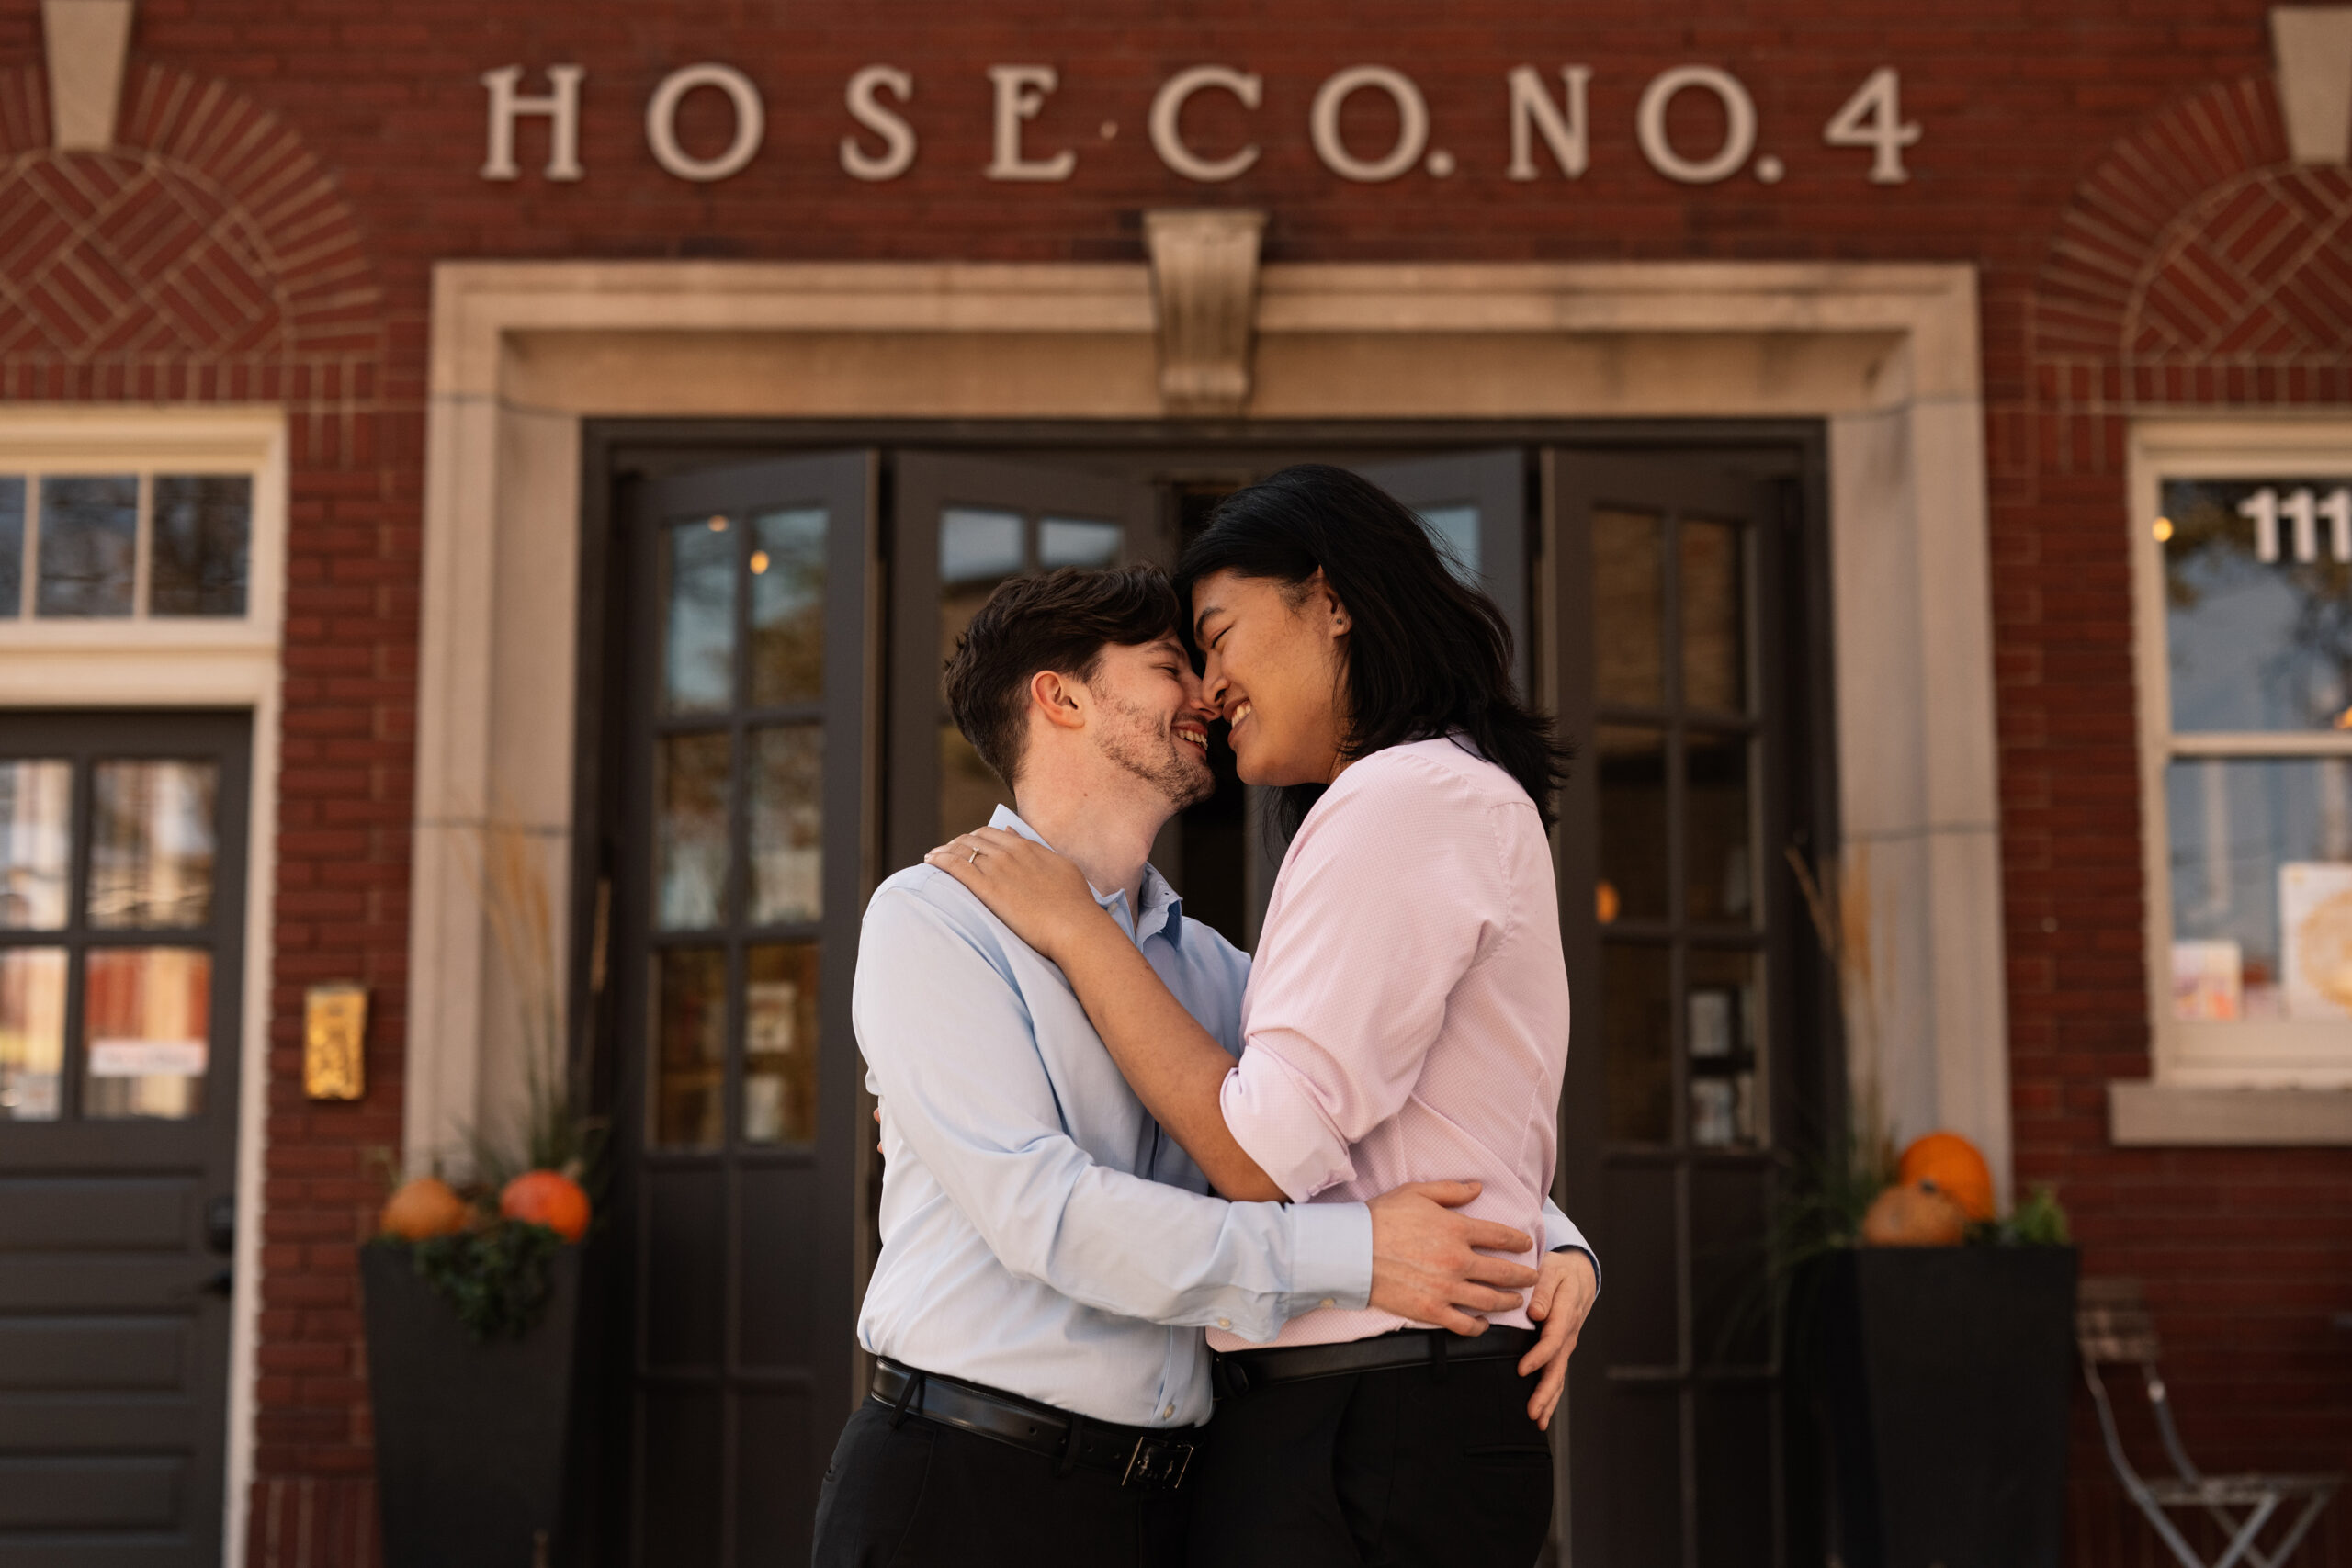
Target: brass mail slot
x=334, y=1042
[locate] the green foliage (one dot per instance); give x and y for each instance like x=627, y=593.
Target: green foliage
x=2038, y=1220
x=496, y=1277
x=1821, y=1204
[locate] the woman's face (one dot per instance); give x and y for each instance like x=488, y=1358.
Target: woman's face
x=1275, y=668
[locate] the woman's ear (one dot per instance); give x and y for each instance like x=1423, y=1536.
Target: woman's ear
x=1326, y=604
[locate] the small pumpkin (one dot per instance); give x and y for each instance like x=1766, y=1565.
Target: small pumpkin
x=546, y=1198
x=1952, y=1165
x=423, y=1209
x=1912, y=1214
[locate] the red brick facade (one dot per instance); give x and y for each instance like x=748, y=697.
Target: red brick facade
x=288, y=171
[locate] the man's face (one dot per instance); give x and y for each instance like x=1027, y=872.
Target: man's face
x=1153, y=720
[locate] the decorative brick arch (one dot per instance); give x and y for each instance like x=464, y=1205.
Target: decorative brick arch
x=207, y=256
x=2198, y=263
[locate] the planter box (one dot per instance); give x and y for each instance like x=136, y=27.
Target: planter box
x=1945, y=1374
x=470, y=1438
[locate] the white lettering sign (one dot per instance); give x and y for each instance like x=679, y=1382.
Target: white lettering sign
x=2304, y=511
x=661, y=121
x=561, y=106
x=1531, y=109
x=1168, y=108
x=1873, y=118
x=1020, y=92
x=1412, y=124
x=1739, y=125
x=147, y=1058
x=897, y=136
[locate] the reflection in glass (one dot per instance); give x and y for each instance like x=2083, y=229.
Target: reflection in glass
x=1628, y=612
x=1063, y=541
x=1455, y=529
x=1721, y=1029
x=690, y=829
x=787, y=824
x=2261, y=888
x=2256, y=644
x=780, y=1043
x=978, y=545
x=152, y=843
x=968, y=790
x=89, y=541
x=35, y=809
x=201, y=532
x=698, y=615
x=145, y=1031
x=12, y=544
x=1637, y=1042
x=789, y=605
x=1718, y=867
x=32, y=1032
x=1633, y=826
x=690, y=1048
x=1714, y=618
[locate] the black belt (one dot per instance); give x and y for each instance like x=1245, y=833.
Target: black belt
x=1138, y=1456
x=1238, y=1371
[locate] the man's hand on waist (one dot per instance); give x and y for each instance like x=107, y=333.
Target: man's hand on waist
x=1425, y=1260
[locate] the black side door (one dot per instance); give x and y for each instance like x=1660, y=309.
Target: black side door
x=1697, y=1060
x=741, y=863
x=122, y=899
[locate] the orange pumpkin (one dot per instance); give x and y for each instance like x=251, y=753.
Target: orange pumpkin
x=1952, y=1165
x=546, y=1198
x=424, y=1209
x=1912, y=1214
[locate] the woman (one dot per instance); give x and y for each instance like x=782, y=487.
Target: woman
x=1406, y=1019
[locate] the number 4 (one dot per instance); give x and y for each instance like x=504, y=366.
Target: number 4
x=1873, y=118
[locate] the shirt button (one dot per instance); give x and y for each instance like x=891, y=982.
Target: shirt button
x=1328, y=1302
x=1167, y=1413
x=1225, y=1323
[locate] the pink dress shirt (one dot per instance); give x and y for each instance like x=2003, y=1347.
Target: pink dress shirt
x=1407, y=1018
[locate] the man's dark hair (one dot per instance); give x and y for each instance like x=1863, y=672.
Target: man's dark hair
x=1061, y=622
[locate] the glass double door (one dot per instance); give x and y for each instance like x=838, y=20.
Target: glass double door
x=122, y=888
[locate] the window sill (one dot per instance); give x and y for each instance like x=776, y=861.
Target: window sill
x=2146, y=1114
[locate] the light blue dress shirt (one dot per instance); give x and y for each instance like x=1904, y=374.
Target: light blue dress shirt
x=1040, y=1233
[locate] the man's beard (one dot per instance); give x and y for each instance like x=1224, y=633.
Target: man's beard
x=1156, y=757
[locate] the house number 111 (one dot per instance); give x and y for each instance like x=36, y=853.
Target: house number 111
x=2266, y=506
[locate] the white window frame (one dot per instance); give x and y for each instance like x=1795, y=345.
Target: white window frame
x=217, y=661
x=2245, y=1053
x=148, y=442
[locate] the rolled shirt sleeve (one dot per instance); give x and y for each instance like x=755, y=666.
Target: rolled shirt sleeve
x=953, y=1053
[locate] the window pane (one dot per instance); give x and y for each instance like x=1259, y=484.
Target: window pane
x=1633, y=830
x=145, y=1031
x=2258, y=604
x=789, y=605
x=35, y=815
x=32, y=1032
x=89, y=540
x=787, y=823
x=12, y=544
x=1062, y=541
x=2261, y=888
x=780, y=1044
x=1627, y=613
x=1723, y=1032
x=968, y=792
x=1717, y=865
x=203, y=530
x=690, y=829
x=1714, y=618
x=1455, y=529
x=977, y=551
x=152, y=843
x=690, y=1048
x=1637, y=1042
x=698, y=615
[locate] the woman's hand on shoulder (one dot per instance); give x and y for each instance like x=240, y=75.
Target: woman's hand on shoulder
x=1041, y=896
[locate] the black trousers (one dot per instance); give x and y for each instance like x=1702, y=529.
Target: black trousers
x=918, y=1493
x=1430, y=1466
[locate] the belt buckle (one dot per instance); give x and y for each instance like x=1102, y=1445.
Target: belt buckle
x=1158, y=1463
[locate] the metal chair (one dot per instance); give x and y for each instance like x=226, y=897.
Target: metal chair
x=2112, y=1328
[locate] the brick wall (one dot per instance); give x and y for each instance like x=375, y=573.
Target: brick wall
x=2113, y=169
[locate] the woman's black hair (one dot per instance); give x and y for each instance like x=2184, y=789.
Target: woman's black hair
x=1427, y=654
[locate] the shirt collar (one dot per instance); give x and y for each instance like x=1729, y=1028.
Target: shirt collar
x=1163, y=909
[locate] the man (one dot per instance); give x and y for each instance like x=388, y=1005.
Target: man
x=1049, y=1256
